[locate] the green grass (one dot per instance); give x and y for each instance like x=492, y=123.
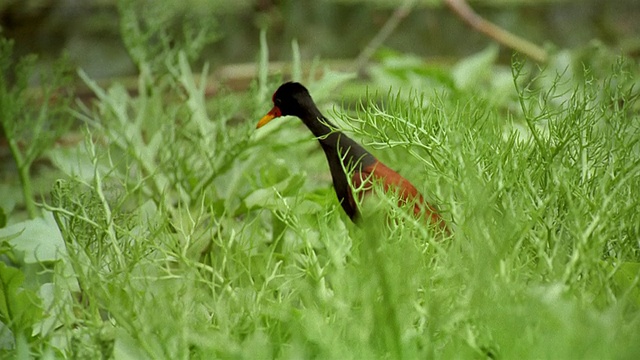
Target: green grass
x=178, y=231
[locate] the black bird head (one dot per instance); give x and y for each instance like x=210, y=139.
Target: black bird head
x=290, y=99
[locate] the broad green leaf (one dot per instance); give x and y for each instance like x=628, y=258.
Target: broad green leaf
x=73, y=161
x=272, y=197
x=19, y=308
x=39, y=240
x=469, y=72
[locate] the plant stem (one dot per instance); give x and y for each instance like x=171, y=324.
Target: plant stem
x=24, y=168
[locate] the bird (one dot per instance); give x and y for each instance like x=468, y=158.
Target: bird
x=342, y=153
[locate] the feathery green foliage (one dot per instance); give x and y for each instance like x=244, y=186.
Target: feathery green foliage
x=185, y=234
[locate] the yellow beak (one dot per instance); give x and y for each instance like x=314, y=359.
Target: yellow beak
x=274, y=113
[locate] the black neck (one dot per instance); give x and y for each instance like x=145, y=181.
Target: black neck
x=317, y=123
x=333, y=140
x=340, y=151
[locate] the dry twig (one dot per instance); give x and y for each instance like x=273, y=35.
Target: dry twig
x=463, y=10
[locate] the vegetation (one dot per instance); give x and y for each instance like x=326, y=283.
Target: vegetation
x=175, y=230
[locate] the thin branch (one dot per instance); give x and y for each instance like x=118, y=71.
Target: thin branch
x=392, y=23
x=464, y=11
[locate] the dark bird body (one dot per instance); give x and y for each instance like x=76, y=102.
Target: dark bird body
x=293, y=99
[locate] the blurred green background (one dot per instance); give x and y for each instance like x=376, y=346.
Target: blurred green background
x=89, y=31
x=150, y=200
